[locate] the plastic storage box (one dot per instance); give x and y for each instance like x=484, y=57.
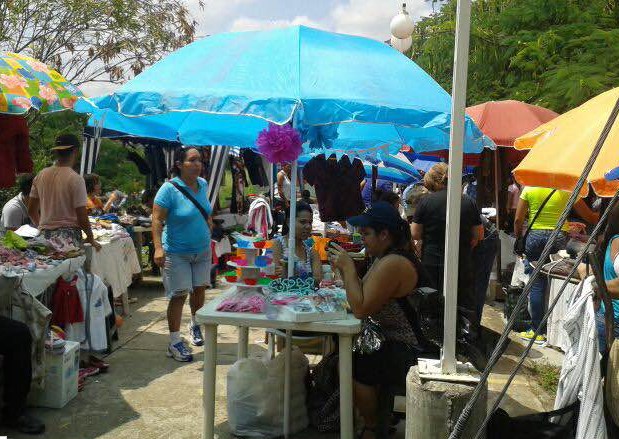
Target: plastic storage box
x=61, y=377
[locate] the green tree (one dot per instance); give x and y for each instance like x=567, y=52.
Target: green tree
x=554, y=53
x=95, y=40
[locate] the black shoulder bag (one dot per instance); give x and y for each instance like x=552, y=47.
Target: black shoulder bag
x=190, y=197
x=520, y=244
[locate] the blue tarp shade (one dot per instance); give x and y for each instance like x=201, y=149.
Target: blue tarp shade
x=344, y=93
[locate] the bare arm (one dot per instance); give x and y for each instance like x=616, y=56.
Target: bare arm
x=394, y=278
x=316, y=266
x=583, y=211
x=521, y=213
x=417, y=234
x=278, y=254
x=613, y=285
x=477, y=235
x=33, y=210
x=280, y=187
x=110, y=201
x=159, y=217
x=84, y=223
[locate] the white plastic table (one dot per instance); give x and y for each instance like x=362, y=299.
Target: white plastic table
x=211, y=318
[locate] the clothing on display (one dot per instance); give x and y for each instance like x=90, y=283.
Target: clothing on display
x=93, y=295
x=239, y=182
x=581, y=376
x=14, y=149
x=255, y=169
x=260, y=219
x=338, y=186
x=66, y=304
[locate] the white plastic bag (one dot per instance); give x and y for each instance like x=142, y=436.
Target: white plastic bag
x=256, y=396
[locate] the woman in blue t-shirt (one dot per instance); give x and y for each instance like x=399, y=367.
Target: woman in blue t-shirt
x=182, y=240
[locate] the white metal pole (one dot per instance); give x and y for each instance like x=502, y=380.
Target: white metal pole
x=292, y=244
x=454, y=186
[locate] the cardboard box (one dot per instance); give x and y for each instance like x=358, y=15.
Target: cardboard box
x=61, y=378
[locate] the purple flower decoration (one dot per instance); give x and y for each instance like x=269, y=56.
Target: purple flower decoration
x=279, y=143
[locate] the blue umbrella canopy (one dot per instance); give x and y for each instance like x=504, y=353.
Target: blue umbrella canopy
x=343, y=93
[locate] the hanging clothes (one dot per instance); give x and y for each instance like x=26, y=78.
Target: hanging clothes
x=255, y=169
x=338, y=186
x=260, y=218
x=66, y=304
x=239, y=181
x=581, y=377
x=14, y=149
x=93, y=295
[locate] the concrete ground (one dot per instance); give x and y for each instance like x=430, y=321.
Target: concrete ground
x=147, y=395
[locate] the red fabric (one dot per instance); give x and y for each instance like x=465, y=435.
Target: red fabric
x=14, y=149
x=66, y=304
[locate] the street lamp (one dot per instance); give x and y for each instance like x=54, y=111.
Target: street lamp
x=402, y=28
x=402, y=25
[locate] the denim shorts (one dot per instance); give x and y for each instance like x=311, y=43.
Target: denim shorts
x=182, y=272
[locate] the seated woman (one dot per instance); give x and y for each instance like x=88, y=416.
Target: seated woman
x=94, y=205
x=307, y=259
x=392, y=277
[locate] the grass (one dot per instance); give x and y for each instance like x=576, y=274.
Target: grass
x=547, y=376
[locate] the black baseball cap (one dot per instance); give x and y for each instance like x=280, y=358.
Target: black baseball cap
x=380, y=212
x=66, y=141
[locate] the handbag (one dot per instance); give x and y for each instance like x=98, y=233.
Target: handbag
x=370, y=339
x=536, y=426
x=190, y=197
x=520, y=244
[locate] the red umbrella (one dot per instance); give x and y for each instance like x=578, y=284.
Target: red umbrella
x=505, y=121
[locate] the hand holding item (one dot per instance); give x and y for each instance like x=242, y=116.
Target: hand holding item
x=159, y=257
x=339, y=257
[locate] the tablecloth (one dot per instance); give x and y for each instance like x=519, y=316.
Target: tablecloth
x=115, y=264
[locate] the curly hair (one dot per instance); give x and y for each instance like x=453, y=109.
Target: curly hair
x=436, y=178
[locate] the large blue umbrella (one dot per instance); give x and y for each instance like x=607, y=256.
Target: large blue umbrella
x=344, y=93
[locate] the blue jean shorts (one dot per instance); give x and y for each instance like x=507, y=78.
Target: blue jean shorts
x=182, y=272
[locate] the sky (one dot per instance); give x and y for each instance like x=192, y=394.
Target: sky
x=369, y=18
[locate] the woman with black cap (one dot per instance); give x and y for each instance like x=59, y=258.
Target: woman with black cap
x=380, y=295
x=58, y=197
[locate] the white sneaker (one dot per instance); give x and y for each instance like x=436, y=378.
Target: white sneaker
x=196, y=335
x=180, y=352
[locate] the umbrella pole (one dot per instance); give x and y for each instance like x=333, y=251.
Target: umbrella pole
x=454, y=186
x=292, y=244
x=271, y=184
x=497, y=183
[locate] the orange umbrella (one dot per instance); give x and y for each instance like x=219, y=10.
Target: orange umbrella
x=561, y=148
x=504, y=121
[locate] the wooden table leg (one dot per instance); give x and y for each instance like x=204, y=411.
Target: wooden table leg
x=347, y=428
x=287, y=382
x=209, y=380
x=243, y=342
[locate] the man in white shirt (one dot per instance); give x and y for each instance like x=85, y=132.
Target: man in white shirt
x=15, y=211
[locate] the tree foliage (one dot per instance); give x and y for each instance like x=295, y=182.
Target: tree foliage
x=95, y=40
x=554, y=53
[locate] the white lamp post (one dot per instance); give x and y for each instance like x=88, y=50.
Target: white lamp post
x=402, y=25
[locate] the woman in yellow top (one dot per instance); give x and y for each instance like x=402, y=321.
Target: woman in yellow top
x=531, y=199
x=94, y=205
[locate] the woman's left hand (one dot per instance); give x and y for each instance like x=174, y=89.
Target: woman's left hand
x=340, y=257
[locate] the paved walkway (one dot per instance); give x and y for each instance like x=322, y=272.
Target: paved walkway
x=147, y=395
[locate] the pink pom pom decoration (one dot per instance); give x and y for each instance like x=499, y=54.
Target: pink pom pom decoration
x=279, y=143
